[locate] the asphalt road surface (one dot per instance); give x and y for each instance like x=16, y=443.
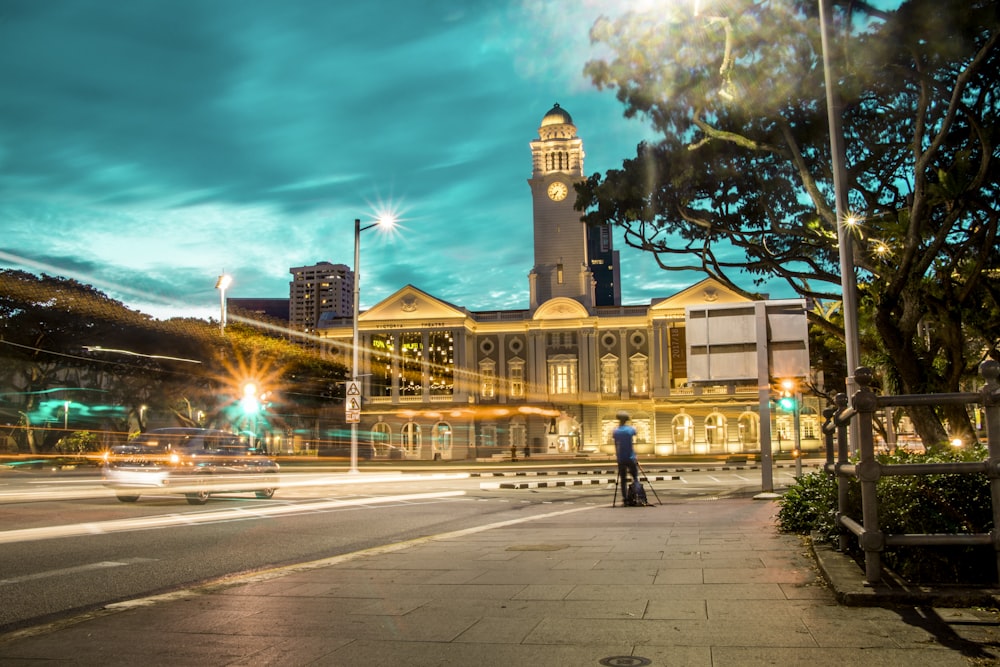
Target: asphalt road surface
x=67, y=544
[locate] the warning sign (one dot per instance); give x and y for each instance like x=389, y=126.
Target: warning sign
x=352, y=406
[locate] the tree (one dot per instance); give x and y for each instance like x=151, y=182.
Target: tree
x=64, y=342
x=741, y=182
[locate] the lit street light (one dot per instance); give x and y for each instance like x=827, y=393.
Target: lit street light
x=222, y=284
x=383, y=222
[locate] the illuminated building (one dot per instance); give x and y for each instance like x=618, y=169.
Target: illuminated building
x=444, y=382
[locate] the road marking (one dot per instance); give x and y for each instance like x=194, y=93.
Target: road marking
x=207, y=517
x=103, y=565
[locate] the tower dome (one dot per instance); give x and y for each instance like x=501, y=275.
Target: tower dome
x=557, y=116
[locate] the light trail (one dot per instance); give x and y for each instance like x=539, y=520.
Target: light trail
x=206, y=517
x=52, y=491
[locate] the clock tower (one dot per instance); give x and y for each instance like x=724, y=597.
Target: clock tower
x=561, y=266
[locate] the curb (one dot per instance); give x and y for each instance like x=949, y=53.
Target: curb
x=569, y=482
x=614, y=472
x=846, y=578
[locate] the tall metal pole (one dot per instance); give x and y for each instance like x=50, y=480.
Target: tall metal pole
x=848, y=281
x=221, y=284
x=354, y=346
x=222, y=310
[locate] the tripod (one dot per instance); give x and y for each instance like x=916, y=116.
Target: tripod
x=641, y=476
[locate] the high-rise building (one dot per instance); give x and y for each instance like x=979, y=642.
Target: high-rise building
x=320, y=291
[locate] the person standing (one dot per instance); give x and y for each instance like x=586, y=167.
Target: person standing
x=624, y=436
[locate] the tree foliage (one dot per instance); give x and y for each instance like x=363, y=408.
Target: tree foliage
x=72, y=357
x=741, y=182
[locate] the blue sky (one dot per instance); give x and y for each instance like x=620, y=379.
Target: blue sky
x=148, y=145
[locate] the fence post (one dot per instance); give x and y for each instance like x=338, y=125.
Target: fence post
x=869, y=472
x=843, y=486
x=991, y=411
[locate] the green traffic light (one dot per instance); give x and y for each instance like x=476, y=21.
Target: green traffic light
x=787, y=403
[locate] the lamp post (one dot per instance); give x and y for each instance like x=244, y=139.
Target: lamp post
x=222, y=284
x=848, y=281
x=384, y=222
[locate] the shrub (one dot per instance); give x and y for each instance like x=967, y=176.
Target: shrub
x=78, y=443
x=944, y=504
x=810, y=505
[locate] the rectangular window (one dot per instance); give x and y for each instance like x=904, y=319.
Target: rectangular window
x=382, y=348
x=441, y=359
x=639, y=370
x=562, y=375
x=609, y=375
x=605, y=238
x=515, y=375
x=487, y=380
x=411, y=372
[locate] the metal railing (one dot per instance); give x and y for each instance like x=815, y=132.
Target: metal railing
x=868, y=470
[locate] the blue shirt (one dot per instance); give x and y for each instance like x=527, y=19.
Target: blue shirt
x=623, y=436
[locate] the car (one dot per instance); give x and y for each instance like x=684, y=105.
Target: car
x=194, y=461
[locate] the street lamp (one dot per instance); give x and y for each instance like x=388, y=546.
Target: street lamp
x=222, y=284
x=385, y=223
x=848, y=281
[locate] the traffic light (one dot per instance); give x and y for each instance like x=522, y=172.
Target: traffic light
x=787, y=402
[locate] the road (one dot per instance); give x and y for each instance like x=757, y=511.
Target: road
x=68, y=545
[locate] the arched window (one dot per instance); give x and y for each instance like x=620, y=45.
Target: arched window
x=410, y=438
x=715, y=430
x=381, y=434
x=682, y=430
x=748, y=427
x=442, y=439
x=518, y=434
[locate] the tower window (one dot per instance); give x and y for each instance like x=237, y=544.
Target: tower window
x=559, y=273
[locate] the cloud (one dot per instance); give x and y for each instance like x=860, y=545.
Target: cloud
x=147, y=146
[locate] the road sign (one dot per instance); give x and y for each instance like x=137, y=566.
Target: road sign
x=352, y=406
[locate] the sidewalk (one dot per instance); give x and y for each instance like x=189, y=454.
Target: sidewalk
x=696, y=582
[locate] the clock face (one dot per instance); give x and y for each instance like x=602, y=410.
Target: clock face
x=558, y=191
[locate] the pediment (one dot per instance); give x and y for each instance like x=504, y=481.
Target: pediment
x=410, y=303
x=561, y=308
x=706, y=292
